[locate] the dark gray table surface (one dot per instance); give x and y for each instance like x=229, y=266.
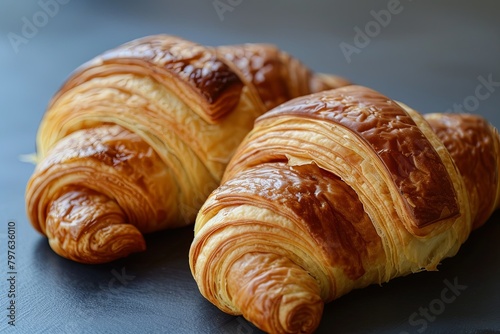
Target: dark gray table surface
x=430, y=55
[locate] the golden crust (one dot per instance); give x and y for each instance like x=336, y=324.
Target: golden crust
x=408, y=157
x=335, y=191
x=145, y=132
x=317, y=202
x=276, y=75
x=191, y=71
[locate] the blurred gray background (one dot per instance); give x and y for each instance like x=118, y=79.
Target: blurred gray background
x=434, y=56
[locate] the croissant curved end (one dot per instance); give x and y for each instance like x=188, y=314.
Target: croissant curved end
x=118, y=240
x=301, y=315
x=90, y=228
x=275, y=294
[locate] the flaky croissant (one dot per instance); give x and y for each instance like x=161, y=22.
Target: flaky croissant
x=336, y=191
x=138, y=137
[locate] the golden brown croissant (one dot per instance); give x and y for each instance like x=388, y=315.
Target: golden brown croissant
x=336, y=191
x=138, y=137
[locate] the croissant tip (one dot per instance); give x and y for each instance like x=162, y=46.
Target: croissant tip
x=304, y=317
x=103, y=246
x=275, y=294
x=30, y=158
x=121, y=245
x=294, y=314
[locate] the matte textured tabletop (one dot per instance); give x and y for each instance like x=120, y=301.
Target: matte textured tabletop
x=432, y=56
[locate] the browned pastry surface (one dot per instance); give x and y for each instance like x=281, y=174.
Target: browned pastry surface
x=138, y=137
x=193, y=71
x=317, y=201
x=276, y=75
x=335, y=191
x=471, y=142
x=409, y=157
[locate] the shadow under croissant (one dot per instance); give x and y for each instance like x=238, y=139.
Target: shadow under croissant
x=156, y=285
x=164, y=248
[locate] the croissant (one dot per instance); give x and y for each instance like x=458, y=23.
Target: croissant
x=138, y=137
x=336, y=191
